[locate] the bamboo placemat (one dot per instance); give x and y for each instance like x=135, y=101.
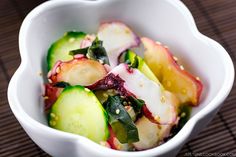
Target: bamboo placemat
x=214, y=18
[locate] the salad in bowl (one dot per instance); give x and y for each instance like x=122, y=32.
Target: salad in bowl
x=118, y=89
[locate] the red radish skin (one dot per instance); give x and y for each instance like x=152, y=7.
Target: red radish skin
x=117, y=37
x=148, y=114
x=153, y=136
x=172, y=99
x=51, y=95
x=162, y=111
x=114, y=81
x=159, y=59
x=111, y=139
x=79, y=71
x=53, y=71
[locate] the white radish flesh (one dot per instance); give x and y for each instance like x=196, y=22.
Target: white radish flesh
x=116, y=37
x=79, y=72
x=150, y=134
x=137, y=83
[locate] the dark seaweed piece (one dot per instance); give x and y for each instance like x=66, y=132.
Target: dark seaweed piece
x=120, y=121
x=95, y=52
x=61, y=84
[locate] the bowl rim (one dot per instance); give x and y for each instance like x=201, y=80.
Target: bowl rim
x=182, y=135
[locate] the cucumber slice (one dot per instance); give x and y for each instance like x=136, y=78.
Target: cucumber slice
x=142, y=66
x=78, y=111
x=59, y=50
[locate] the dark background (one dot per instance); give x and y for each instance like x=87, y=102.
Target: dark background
x=214, y=18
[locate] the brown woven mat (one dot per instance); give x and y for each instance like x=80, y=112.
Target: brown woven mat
x=214, y=18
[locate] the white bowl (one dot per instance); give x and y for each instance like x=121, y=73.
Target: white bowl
x=168, y=21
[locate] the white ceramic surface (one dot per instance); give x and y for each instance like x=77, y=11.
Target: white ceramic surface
x=167, y=21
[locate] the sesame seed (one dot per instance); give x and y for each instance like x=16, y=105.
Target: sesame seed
x=198, y=78
x=157, y=42
x=184, y=91
x=124, y=103
x=163, y=99
x=101, y=61
x=127, y=31
x=71, y=40
x=122, y=97
x=168, y=84
x=129, y=103
x=157, y=118
x=86, y=89
x=46, y=97
x=52, y=115
x=56, y=118
x=105, y=95
x=175, y=58
x=110, y=90
x=49, y=74
x=49, y=80
x=127, y=108
x=183, y=114
x=166, y=47
x=52, y=122
x=87, y=55
x=181, y=67
x=117, y=111
x=58, y=69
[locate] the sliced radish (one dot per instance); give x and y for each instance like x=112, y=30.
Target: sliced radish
x=80, y=71
x=150, y=134
x=173, y=76
x=50, y=96
x=116, y=37
x=164, y=132
x=162, y=110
